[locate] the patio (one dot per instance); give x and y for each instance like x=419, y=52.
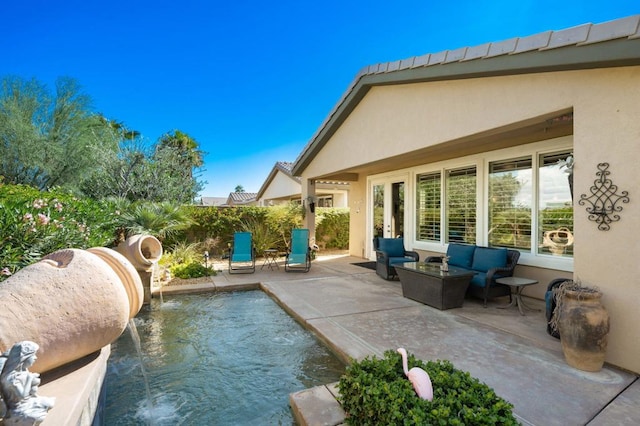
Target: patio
x=358, y=314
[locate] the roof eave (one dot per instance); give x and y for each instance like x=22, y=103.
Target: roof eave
x=612, y=53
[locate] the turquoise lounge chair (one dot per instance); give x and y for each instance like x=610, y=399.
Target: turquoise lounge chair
x=299, y=256
x=242, y=254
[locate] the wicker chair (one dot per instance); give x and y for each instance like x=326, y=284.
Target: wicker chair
x=390, y=251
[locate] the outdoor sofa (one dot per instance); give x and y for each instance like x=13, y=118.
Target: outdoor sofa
x=487, y=263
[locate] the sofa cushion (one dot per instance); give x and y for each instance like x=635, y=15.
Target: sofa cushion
x=460, y=255
x=395, y=260
x=393, y=247
x=485, y=258
x=479, y=279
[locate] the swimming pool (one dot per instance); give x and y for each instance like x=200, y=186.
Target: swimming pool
x=214, y=359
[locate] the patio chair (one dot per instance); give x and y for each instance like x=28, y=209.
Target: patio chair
x=242, y=254
x=299, y=256
x=390, y=251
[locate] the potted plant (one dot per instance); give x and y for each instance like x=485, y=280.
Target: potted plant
x=376, y=392
x=583, y=324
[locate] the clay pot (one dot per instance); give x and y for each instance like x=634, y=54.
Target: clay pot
x=71, y=303
x=143, y=251
x=584, y=326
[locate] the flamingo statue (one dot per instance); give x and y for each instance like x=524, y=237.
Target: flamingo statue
x=418, y=378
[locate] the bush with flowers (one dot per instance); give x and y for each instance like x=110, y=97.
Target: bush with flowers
x=35, y=223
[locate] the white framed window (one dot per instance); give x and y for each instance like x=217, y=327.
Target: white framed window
x=428, y=210
x=517, y=198
x=509, y=203
x=555, y=205
x=461, y=205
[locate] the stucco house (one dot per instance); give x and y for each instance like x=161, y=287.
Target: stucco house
x=467, y=145
x=282, y=187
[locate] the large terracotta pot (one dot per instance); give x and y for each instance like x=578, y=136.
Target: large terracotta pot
x=584, y=327
x=71, y=303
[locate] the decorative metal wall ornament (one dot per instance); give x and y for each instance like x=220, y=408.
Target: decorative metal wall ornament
x=602, y=204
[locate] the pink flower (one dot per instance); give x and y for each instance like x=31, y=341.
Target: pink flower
x=27, y=217
x=58, y=206
x=37, y=204
x=5, y=271
x=43, y=219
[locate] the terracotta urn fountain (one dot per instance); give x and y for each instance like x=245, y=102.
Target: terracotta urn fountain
x=72, y=303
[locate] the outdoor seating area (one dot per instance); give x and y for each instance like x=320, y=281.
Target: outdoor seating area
x=487, y=264
x=242, y=254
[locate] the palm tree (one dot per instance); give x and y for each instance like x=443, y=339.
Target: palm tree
x=187, y=148
x=158, y=219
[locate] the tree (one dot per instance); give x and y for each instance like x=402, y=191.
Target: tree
x=239, y=188
x=141, y=172
x=185, y=147
x=49, y=140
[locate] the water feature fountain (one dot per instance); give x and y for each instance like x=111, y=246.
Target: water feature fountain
x=228, y=358
x=76, y=303
x=73, y=304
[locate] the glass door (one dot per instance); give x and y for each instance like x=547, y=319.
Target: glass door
x=387, y=209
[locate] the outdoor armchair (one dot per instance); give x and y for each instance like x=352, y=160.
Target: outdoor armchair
x=242, y=254
x=390, y=251
x=299, y=256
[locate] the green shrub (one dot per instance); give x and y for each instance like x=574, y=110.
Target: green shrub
x=34, y=223
x=182, y=253
x=332, y=227
x=376, y=392
x=191, y=270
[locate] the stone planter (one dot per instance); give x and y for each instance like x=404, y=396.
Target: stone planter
x=583, y=324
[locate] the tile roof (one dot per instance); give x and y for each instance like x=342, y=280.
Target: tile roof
x=242, y=197
x=286, y=167
x=581, y=35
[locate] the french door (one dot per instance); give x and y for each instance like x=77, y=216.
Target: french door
x=387, y=208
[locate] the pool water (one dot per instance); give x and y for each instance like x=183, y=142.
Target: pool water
x=214, y=359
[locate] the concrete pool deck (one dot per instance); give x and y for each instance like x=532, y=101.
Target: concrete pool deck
x=358, y=314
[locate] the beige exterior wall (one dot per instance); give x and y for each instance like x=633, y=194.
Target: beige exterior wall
x=392, y=120
x=281, y=186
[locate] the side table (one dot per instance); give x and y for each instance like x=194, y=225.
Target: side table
x=270, y=259
x=518, y=283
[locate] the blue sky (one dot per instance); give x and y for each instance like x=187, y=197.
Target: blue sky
x=250, y=80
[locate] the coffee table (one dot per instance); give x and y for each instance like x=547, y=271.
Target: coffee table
x=518, y=283
x=426, y=283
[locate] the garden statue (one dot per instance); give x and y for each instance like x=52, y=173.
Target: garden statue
x=418, y=377
x=19, y=402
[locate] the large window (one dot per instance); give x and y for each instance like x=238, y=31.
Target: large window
x=428, y=207
x=510, y=200
x=461, y=205
x=459, y=215
x=555, y=205
x=528, y=204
